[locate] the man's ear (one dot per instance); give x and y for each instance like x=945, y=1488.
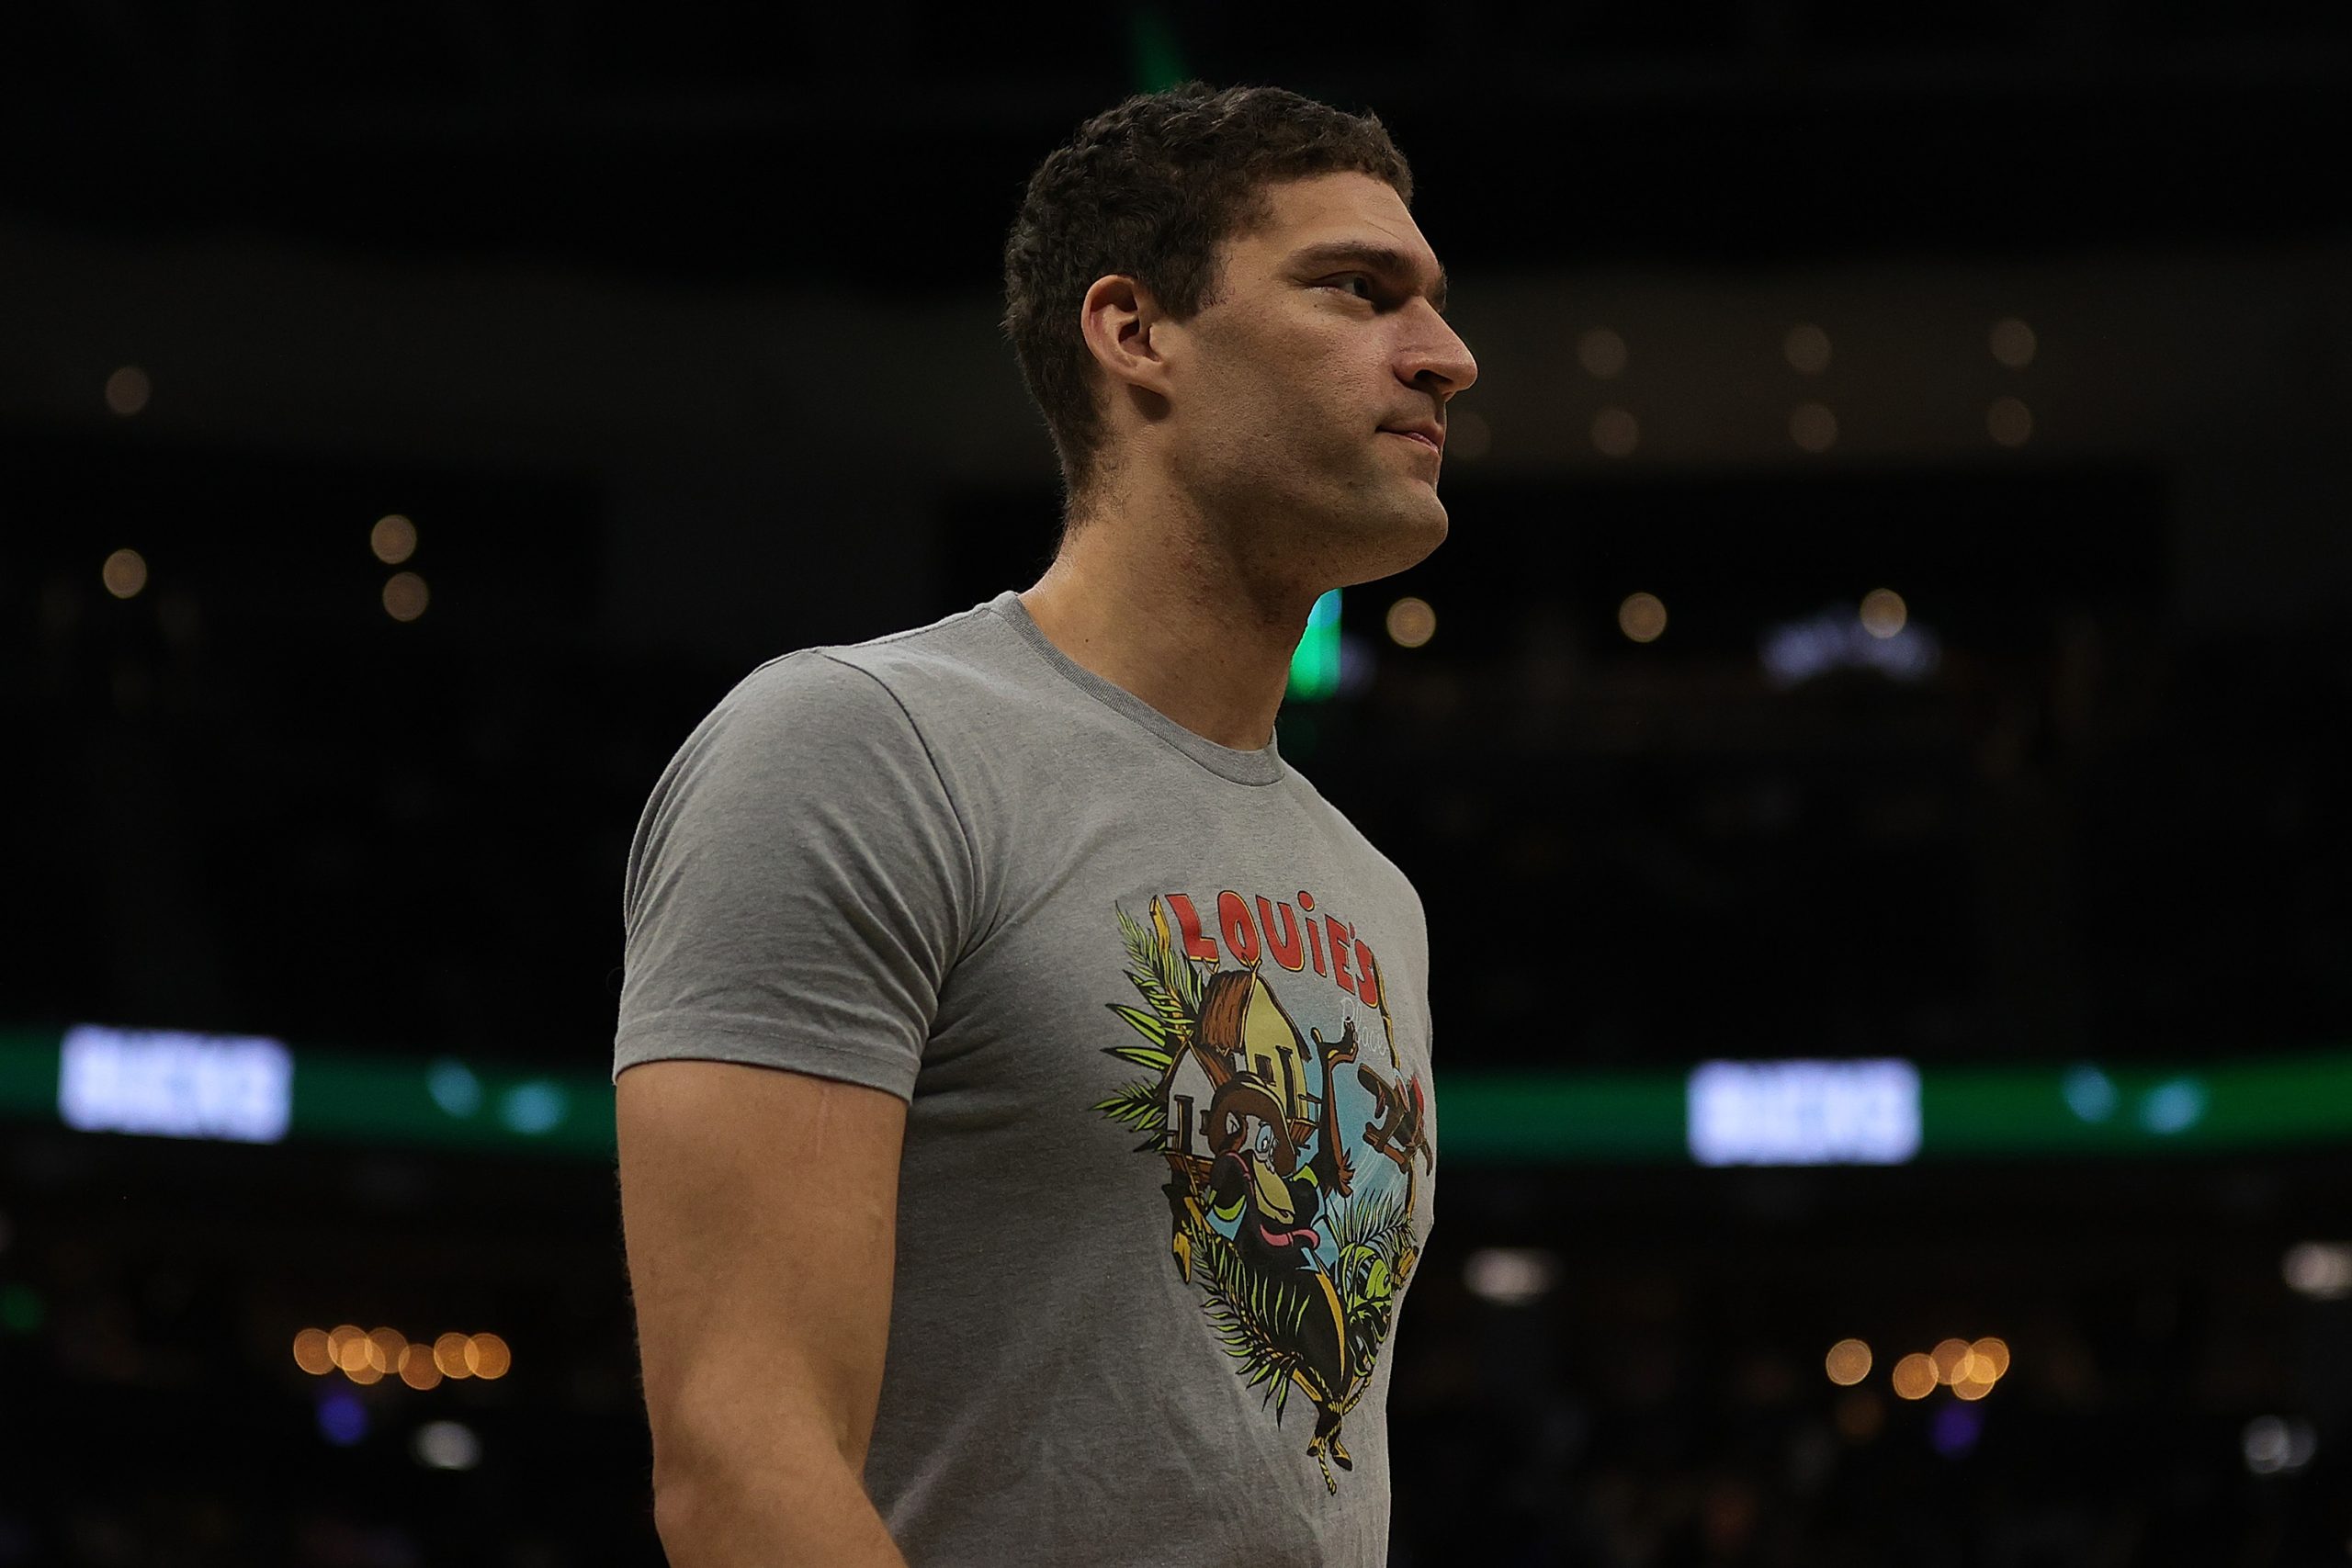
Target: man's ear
x=1118, y=317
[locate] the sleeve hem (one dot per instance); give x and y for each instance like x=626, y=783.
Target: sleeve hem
x=703, y=1042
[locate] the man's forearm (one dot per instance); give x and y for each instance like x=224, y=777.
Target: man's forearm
x=815, y=1516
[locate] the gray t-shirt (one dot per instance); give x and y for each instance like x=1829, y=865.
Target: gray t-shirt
x=1160, y=1015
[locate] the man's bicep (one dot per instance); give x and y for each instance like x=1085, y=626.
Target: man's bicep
x=759, y=1210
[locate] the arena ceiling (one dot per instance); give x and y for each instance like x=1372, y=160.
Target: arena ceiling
x=885, y=143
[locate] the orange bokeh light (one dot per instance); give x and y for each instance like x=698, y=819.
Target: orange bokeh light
x=417, y=1369
x=1914, y=1376
x=488, y=1357
x=311, y=1352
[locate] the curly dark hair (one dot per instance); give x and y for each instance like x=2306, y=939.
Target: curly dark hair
x=1149, y=190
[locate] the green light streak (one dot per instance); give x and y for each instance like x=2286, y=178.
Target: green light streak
x=1966, y=1114
x=1545, y=1118
x=1151, y=43
x=1314, y=664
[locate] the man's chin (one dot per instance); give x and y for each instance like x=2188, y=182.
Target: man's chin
x=1403, y=539
x=1427, y=512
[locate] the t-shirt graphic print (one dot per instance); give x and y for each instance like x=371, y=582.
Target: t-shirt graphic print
x=1292, y=1151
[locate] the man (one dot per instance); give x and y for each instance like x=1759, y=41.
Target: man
x=999, y=998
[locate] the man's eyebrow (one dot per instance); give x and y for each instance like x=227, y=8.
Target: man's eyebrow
x=1383, y=259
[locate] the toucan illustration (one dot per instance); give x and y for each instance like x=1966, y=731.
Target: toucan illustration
x=1257, y=1176
x=1240, y=1106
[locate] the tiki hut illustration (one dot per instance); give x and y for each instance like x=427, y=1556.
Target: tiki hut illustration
x=1192, y=1081
x=1243, y=1029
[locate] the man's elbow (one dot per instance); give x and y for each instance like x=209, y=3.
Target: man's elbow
x=673, y=1518
x=787, y=1496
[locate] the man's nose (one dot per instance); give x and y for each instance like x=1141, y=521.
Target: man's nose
x=1440, y=361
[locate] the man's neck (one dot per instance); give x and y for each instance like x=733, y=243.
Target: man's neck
x=1164, y=612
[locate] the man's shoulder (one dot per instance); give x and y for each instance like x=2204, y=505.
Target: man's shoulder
x=889, y=670
x=961, y=649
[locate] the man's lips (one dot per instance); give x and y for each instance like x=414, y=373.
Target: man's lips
x=1430, y=435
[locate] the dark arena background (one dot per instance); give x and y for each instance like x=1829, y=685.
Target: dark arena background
x=1873, y=749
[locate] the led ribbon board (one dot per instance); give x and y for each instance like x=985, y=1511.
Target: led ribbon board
x=1804, y=1112
x=175, y=1085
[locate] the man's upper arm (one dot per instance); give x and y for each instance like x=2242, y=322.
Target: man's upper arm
x=798, y=889
x=759, y=1208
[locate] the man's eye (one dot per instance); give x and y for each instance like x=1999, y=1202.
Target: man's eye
x=1355, y=283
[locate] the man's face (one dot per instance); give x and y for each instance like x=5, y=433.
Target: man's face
x=1307, y=407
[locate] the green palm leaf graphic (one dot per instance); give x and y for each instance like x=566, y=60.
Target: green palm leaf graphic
x=1156, y=1055
x=1138, y=1105
x=1250, y=1319
x=1166, y=980
x=1364, y=1218
x=1368, y=1228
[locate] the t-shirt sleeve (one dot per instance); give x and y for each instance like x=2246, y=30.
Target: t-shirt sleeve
x=798, y=887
